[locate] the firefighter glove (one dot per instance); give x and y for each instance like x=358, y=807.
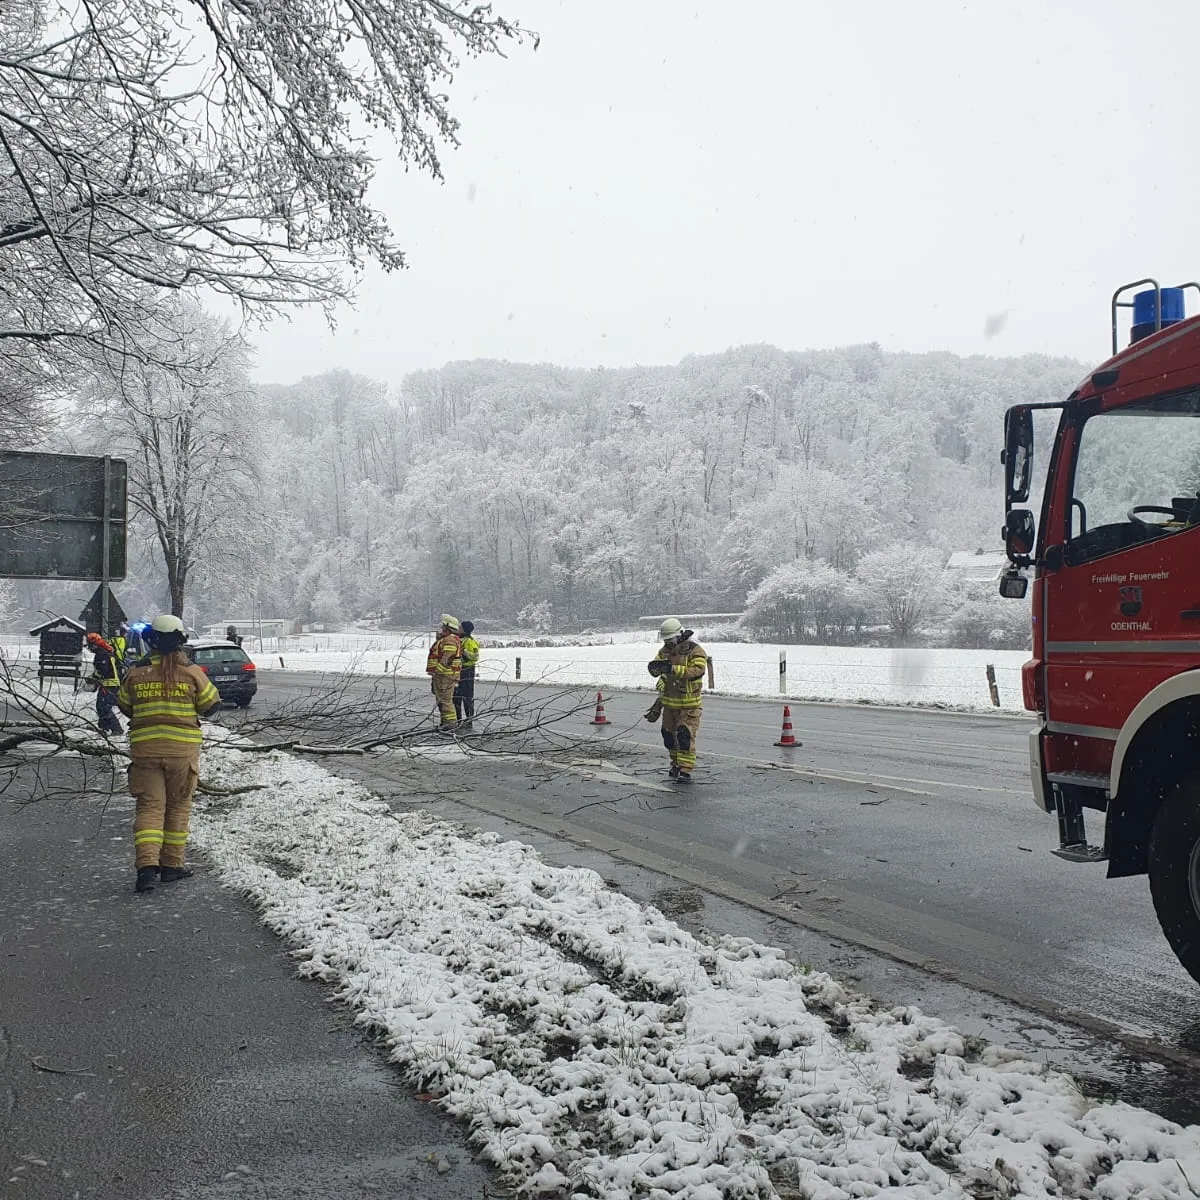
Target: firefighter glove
x=659, y=666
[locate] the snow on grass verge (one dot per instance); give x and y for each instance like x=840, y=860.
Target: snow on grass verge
x=954, y=679
x=598, y=1050
x=853, y=674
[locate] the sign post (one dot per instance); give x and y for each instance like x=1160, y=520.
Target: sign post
x=106, y=540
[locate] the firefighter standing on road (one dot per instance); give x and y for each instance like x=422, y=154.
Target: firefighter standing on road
x=464, y=691
x=120, y=648
x=107, y=680
x=444, y=666
x=164, y=699
x=680, y=666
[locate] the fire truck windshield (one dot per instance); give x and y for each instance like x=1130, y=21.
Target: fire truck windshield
x=1137, y=475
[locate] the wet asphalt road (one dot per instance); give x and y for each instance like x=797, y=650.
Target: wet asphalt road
x=162, y=1047
x=900, y=847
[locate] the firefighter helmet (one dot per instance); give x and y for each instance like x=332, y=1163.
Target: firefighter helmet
x=166, y=633
x=670, y=628
x=450, y=622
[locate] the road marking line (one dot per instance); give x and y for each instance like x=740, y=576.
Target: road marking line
x=865, y=780
x=592, y=769
x=857, y=777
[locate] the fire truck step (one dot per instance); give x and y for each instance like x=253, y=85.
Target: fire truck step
x=1081, y=853
x=1087, y=779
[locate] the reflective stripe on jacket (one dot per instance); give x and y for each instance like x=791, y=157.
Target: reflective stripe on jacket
x=161, y=725
x=104, y=668
x=683, y=683
x=470, y=652
x=445, y=656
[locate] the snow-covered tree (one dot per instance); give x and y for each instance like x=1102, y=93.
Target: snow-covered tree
x=805, y=600
x=900, y=583
x=189, y=432
x=213, y=147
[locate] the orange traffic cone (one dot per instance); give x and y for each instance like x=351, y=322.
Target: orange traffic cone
x=787, y=737
x=600, y=718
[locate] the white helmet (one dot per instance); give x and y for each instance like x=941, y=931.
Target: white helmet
x=166, y=633
x=670, y=628
x=450, y=622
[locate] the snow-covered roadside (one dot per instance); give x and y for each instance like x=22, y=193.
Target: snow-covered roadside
x=855, y=674
x=598, y=1050
x=852, y=674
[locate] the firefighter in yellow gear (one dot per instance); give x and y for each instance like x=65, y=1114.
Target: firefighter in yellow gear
x=164, y=699
x=680, y=667
x=443, y=666
x=107, y=680
x=464, y=690
x=120, y=646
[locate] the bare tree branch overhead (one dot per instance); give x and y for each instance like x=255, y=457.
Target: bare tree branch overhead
x=219, y=148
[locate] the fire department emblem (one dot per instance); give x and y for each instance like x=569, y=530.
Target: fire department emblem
x=1131, y=601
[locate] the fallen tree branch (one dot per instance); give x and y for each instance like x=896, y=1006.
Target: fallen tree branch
x=347, y=715
x=41, y=1066
x=211, y=789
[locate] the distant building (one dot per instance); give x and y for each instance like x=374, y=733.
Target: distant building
x=980, y=567
x=694, y=618
x=258, y=627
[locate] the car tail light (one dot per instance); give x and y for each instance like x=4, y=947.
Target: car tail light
x=1033, y=685
x=247, y=666
x=204, y=669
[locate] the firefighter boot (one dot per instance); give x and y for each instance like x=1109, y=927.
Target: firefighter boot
x=146, y=877
x=174, y=874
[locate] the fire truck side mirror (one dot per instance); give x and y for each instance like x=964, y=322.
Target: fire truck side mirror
x=1019, y=535
x=1013, y=585
x=1018, y=454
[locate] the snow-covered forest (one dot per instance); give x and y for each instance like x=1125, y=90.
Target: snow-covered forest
x=820, y=491
x=564, y=498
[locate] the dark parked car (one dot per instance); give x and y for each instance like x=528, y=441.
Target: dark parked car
x=229, y=667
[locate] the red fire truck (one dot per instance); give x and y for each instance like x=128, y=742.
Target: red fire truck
x=1115, y=562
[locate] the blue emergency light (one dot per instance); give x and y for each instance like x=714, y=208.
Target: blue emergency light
x=1144, y=306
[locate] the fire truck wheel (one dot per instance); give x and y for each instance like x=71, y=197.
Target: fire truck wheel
x=1175, y=871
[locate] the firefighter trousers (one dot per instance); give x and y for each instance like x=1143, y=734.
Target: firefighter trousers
x=443, y=693
x=464, y=695
x=106, y=710
x=163, y=788
x=680, y=731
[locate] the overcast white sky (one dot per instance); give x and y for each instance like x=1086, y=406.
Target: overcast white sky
x=682, y=176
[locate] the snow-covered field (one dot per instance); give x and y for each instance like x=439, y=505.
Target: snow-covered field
x=598, y=1050
x=955, y=678
x=942, y=678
